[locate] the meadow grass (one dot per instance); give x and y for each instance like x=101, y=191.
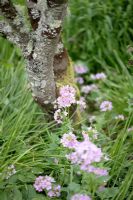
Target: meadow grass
x=98, y=34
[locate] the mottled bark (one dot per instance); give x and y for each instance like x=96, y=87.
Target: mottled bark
x=40, y=43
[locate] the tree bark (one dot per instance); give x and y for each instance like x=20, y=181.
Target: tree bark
x=46, y=58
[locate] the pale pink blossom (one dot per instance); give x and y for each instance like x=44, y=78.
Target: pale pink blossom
x=79, y=80
x=106, y=106
x=69, y=140
x=97, y=171
x=85, y=153
x=67, y=90
x=55, y=192
x=80, y=197
x=98, y=76
x=80, y=68
x=88, y=88
x=67, y=96
x=43, y=183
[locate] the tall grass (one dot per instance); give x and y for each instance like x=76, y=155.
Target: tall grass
x=98, y=33
x=95, y=28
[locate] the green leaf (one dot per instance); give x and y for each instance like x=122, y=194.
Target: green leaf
x=3, y=196
x=74, y=187
x=17, y=195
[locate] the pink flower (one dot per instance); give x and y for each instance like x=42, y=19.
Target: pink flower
x=80, y=197
x=80, y=68
x=67, y=90
x=55, y=192
x=73, y=157
x=69, y=140
x=79, y=80
x=67, y=96
x=43, y=182
x=85, y=153
x=97, y=171
x=65, y=101
x=88, y=88
x=106, y=106
x=98, y=76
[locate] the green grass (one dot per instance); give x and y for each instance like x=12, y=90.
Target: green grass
x=95, y=28
x=97, y=33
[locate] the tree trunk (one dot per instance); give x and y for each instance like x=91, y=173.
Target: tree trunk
x=47, y=62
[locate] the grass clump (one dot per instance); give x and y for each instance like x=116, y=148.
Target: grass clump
x=98, y=34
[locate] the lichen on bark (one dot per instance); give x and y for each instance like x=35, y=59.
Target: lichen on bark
x=47, y=61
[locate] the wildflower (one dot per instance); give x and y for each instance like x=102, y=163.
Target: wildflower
x=80, y=197
x=67, y=96
x=69, y=140
x=43, y=182
x=80, y=68
x=120, y=117
x=79, y=80
x=55, y=192
x=57, y=116
x=65, y=101
x=10, y=171
x=82, y=103
x=98, y=76
x=106, y=106
x=88, y=88
x=67, y=90
x=85, y=153
x=73, y=157
x=97, y=171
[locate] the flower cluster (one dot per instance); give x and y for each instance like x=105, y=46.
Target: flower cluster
x=80, y=68
x=85, y=153
x=106, y=106
x=69, y=140
x=10, y=171
x=67, y=97
x=80, y=197
x=98, y=76
x=47, y=184
x=88, y=88
x=79, y=80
